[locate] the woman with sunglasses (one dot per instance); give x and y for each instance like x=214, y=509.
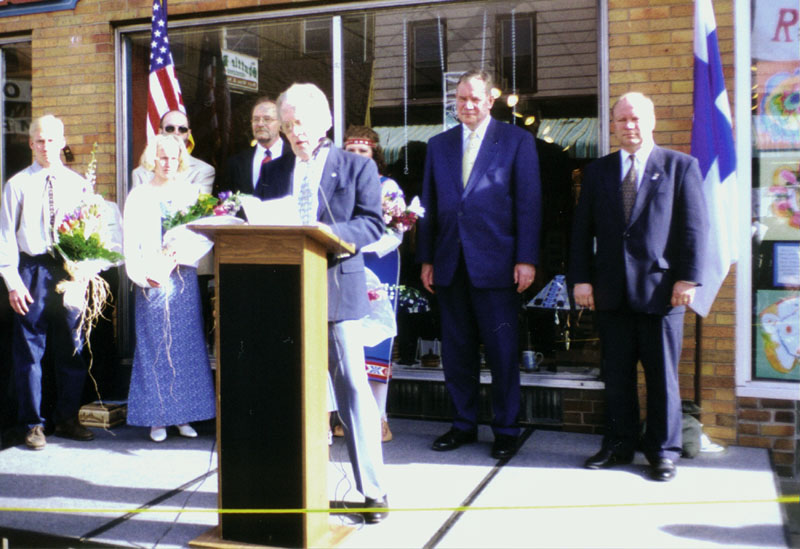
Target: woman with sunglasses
x=171, y=382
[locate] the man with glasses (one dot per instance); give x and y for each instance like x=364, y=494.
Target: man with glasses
x=245, y=167
x=339, y=190
x=199, y=172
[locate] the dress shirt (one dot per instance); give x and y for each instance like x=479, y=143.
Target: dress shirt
x=258, y=156
x=480, y=133
x=640, y=159
x=313, y=167
x=24, y=226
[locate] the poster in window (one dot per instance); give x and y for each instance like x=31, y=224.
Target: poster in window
x=786, y=265
x=777, y=119
x=777, y=336
x=778, y=199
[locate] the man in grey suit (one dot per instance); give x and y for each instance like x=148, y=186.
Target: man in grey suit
x=341, y=191
x=638, y=238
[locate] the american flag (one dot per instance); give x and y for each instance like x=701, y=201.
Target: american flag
x=164, y=93
x=712, y=145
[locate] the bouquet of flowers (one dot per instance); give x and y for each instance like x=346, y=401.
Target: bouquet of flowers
x=206, y=206
x=89, y=239
x=397, y=215
x=187, y=247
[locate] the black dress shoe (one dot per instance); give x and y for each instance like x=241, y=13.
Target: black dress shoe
x=663, y=469
x=607, y=458
x=374, y=517
x=454, y=438
x=504, y=446
x=72, y=429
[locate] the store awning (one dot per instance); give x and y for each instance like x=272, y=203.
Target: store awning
x=577, y=136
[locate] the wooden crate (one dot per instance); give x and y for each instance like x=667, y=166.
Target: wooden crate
x=104, y=414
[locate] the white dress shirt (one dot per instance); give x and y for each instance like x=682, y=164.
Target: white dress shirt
x=25, y=218
x=480, y=133
x=640, y=159
x=314, y=168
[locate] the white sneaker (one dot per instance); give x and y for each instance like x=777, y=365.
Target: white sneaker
x=187, y=430
x=158, y=434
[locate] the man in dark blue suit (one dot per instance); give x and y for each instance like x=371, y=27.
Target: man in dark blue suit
x=244, y=167
x=478, y=243
x=638, y=238
x=340, y=191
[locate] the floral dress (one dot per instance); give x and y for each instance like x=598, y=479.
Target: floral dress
x=171, y=380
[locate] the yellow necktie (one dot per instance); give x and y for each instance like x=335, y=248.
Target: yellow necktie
x=468, y=159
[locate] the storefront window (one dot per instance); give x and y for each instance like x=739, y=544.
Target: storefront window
x=15, y=76
x=775, y=269
x=399, y=67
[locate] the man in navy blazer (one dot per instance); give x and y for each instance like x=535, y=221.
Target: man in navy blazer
x=639, y=234
x=478, y=243
x=345, y=195
x=244, y=167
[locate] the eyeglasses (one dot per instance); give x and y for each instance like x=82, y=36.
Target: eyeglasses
x=262, y=119
x=290, y=125
x=171, y=129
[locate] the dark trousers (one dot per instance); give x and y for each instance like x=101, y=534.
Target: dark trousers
x=629, y=337
x=46, y=316
x=491, y=315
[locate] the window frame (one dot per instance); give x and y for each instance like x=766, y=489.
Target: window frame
x=746, y=385
x=414, y=91
x=500, y=58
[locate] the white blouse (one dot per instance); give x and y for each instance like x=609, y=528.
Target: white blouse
x=142, y=238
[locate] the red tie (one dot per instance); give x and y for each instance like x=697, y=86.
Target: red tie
x=267, y=157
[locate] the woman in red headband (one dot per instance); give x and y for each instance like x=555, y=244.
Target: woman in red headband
x=383, y=259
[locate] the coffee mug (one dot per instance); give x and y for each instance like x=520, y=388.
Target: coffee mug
x=531, y=360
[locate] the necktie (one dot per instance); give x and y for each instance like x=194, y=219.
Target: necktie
x=304, y=198
x=51, y=200
x=629, y=189
x=267, y=157
x=468, y=160
x=51, y=211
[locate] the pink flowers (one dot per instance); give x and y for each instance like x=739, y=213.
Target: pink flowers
x=397, y=215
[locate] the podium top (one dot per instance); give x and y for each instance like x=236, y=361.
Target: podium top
x=332, y=243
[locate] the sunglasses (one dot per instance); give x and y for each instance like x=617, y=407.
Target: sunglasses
x=171, y=129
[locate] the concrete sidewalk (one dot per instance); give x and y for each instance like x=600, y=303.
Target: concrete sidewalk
x=124, y=490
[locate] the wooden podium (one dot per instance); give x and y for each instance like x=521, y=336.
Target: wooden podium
x=272, y=362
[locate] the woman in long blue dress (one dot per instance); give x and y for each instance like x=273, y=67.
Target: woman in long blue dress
x=383, y=259
x=171, y=380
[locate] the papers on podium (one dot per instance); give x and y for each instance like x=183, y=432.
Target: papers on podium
x=278, y=211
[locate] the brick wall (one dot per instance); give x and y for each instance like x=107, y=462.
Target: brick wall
x=651, y=50
x=772, y=424
x=73, y=72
